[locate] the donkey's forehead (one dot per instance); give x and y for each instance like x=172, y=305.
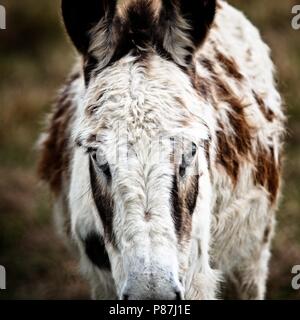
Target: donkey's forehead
x=143, y=91
x=147, y=74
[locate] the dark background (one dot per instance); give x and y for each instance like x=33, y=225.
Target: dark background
x=35, y=57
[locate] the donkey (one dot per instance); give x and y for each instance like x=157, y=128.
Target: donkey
x=164, y=149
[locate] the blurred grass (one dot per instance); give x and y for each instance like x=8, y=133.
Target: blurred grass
x=35, y=57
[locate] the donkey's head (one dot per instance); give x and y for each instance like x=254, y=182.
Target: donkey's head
x=140, y=168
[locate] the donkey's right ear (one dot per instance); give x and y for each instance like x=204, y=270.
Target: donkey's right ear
x=80, y=16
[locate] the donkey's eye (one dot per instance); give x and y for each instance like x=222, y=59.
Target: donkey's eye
x=187, y=160
x=106, y=170
x=194, y=149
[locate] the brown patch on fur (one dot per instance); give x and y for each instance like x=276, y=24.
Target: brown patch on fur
x=242, y=137
x=104, y=204
x=267, y=172
x=207, y=152
x=237, y=147
x=191, y=194
x=227, y=155
x=180, y=101
x=240, y=126
x=207, y=64
x=183, y=204
x=202, y=86
x=268, y=114
x=230, y=66
x=176, y=205
x=55, y=152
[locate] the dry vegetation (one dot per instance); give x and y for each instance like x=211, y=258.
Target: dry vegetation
x=34, y=59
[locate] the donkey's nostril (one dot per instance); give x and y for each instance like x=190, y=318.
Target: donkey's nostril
x=178, y=295
x=125, y=297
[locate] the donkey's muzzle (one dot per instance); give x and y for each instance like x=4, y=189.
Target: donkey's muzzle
x=150, y=286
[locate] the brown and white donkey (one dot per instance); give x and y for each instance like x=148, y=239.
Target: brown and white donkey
x=163, y=151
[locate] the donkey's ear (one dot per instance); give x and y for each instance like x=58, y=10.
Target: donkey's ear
x=184, y=25
x=80, y=16
x=199, y=14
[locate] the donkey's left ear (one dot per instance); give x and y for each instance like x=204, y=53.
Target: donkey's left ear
x=186, y=23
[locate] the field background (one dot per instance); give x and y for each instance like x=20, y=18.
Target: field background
x=35, y=57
